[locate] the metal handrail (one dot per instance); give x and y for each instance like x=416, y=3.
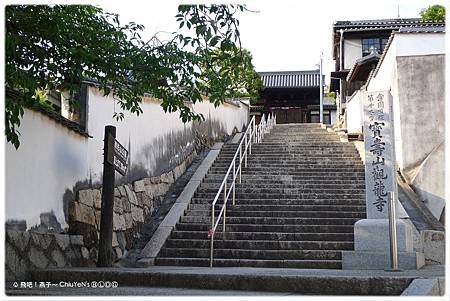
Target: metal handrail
x=255, y=134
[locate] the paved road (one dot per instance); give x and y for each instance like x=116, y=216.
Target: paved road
x=137, y=291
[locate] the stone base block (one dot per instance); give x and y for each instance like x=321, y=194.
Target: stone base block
x=433, y=246
x=366, y=260
x=373, y=235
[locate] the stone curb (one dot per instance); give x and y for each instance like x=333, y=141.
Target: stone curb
x=426, y=287
x=161, y=234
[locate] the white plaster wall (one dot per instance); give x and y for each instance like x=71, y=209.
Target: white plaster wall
x=352, y=52
x=133, y=132
x=354, y=114
x=429, y=182
x=387, y=79
x=140, y=133
x=417, y=91
x=51, y=158
x=231, y=115
x=419, y=43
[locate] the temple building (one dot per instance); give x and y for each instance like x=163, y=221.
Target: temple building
x=294, y=96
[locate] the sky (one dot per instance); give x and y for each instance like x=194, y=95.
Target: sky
x=282, y=35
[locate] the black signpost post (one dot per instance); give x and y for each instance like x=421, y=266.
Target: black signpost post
x=114, y=159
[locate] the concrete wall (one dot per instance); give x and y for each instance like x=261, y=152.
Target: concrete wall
x=54, y=162
x=157, y=141
x=352, y=52
x=413, y=70
x=422, y=102
x=354, y=114
x=51, y=158
x=419, y=43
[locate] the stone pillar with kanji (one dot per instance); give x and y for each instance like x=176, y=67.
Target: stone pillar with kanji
x=371, y=235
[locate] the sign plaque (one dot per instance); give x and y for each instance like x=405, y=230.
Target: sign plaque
x=117, y=155
x=379, y=152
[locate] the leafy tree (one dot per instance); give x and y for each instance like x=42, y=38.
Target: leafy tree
x=433, y=13
x=234, y=69
x=57, y=47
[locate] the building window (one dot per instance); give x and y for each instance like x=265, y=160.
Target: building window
x=70, y=106
x=376, y=44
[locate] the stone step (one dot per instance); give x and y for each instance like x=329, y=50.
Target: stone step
x=220, y=262
x=308, y=214
x=254, y=207
x=286, y=147
x=301, y=281
x=294, y=164
x=294, y=140
x=293, y=158
x=274, y=220
x=302, y=189
x=297, y=177
x=306, y=183
x=253, y=254
x=285, y=191
x=277, y=196
x=269, y=228
x=287, y=201
x=305, y=139
x=264, y=236
x=284, y=150
x=249, y=178
x=271, y=184
x=260, y=244
x=327, y=145
x=292, y=170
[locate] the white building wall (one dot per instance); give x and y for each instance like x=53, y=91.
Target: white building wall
x=418, y=99
x=53, y=160
x=352, y=52
x=419, y=43
x=386, y=79
x=354, y=114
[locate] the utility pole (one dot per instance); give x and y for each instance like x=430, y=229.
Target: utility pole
x=321, y=89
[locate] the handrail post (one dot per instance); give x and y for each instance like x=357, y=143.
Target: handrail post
x=240, y=165
x=224, y=204
x=250, y=143
x=234, y=182
x=392, y=232
x=245, y=151
x=212, y=239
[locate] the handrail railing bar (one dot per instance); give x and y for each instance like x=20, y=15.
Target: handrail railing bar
x=255, y=135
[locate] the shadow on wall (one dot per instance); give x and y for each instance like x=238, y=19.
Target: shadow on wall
x=435, y=203
x=426, y=177
x=167, y=151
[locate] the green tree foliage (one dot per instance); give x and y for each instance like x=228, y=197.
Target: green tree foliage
x=232, y=69
x=433, y=13
x=57, y=47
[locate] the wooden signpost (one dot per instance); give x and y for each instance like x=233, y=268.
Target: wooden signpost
x=115, y=158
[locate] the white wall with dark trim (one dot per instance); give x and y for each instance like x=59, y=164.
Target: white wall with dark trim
x=54, y=161
x=413, y=70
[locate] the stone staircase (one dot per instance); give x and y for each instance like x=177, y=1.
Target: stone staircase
x=301, y=193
